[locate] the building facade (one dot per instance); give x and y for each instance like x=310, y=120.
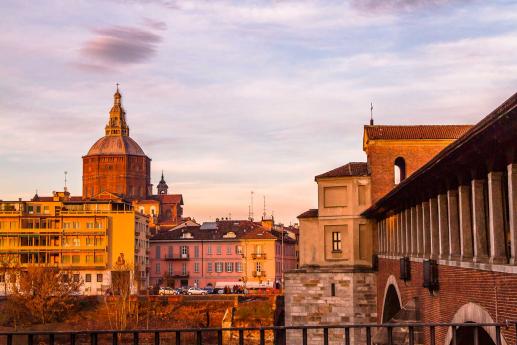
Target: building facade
x=219, y=254
x=88, y=238
x=446, y=236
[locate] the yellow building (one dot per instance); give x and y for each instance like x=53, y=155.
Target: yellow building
x=335, y=234
x=91, y=238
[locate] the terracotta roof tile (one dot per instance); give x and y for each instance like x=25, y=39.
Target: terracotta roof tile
x=416, y=132
x=349, y=169
x=312, y=213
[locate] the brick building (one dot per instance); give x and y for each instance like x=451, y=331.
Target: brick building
x=335, y=283
x=446, y=236
x=117, y=167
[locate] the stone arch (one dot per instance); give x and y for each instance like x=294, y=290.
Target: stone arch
x=392, y=301
x=473, y=313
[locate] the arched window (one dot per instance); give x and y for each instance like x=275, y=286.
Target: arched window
x=399, y=170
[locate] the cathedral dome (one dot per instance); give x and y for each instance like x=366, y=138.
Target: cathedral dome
x=116, y=145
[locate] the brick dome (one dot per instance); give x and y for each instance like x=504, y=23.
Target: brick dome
x=116, y=145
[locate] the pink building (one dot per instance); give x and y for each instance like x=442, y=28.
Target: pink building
x=215, y=254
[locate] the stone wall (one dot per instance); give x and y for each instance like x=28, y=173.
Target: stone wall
x=308, y=301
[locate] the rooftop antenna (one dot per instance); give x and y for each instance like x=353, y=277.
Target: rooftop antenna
x=371, y=114
x=264, y=213
x=251, y=207
x=66, y=189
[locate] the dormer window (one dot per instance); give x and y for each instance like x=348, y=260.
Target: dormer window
x=229, y=234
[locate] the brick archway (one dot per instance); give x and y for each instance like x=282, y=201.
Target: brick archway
x=472, y=312
x=391, y=285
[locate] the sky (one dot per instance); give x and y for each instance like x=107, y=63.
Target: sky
x=229, y=97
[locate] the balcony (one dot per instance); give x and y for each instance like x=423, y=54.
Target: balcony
x=258, y=256
x=260, y=274
x=178, y=275
x=176, y=257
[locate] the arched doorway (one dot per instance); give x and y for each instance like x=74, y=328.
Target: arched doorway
x=465, y=336
x=391, y=304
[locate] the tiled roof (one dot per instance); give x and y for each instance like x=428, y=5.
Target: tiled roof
x=349, y=169
x=243, y=229
x=171, y=198
x=312, y=213
x=416, y=132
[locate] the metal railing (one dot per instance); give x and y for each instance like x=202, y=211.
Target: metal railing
x=348, y=334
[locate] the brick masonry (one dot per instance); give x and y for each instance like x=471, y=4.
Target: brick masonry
x=496, y=292
x=308, y=301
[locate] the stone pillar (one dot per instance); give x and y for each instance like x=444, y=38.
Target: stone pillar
x=402, y=230
x=467, y=249
x=426, y=228
x=407, y=213
x=512, y=209
x=496, y=219
x=419, y=231
x=443, y=226
x=414, y=243
x=479, y=226
x=435, y=234
x=454, y=224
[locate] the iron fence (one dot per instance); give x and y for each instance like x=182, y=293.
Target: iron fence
x=387, y=334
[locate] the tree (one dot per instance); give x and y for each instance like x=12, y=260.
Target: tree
x=9, y=263
x=44, y=293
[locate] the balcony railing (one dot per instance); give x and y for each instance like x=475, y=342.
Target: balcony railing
x=176, y=257
x=257, y=256
x=259, y=273
x=363, y=333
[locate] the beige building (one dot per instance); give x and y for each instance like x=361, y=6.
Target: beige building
x=335, y=283
x=335, y=234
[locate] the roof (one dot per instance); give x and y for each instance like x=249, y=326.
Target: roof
x=498, y=124
x=349, y=169
x=171, y=198
x=116, y=145
x=311, y=213
x=243, y=229
x=430, y=132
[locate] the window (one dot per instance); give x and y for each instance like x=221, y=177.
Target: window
x=238, y=249
x=184, y=251
x=332, y=289
x=76, y=259
x=258, y=249
x=209, y=267
x=157, y=253
x=99, y=278
x=99, y=258
x=88, y=278
x=169, y=268
x=65, y=259
x=228, y=250
x=238, y=266
x=335, y=196
x=229, y=267
x=183, y=268
x=209, y=250
x=363, y=242
x=258, y=267
x=158, y=268
x=196, y=251
x=399, y=170
x=219, y=250
x=89, y=259
x=336, y=241
x=169, y=253
x=76, y=278
x=218, y=267
x=361, y=194
x=196, y=267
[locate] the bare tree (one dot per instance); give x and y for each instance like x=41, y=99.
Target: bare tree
x=44, y=293
x=9, y=264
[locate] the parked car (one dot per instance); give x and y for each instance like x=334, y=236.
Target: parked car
x=182, y=291
x=167, y=291
x=209, y=289
x=196, y=291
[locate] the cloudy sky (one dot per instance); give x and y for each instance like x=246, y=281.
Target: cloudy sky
x=233, y=96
